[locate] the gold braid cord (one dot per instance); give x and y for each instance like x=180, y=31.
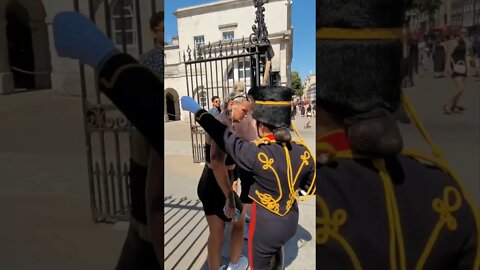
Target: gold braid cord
x=328, y=226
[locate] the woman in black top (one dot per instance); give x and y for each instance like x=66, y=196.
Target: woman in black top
x=309, y=116
x=456, y=67
x=215, y=190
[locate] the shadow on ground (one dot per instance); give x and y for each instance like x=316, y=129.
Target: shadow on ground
x=185, y=230
x=298, y=241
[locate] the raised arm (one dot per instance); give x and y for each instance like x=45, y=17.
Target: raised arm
x=132, y=87
x=137, y=92
x=244, y=153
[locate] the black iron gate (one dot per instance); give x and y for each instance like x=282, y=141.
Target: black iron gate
x=107, y=131
x=214, y=69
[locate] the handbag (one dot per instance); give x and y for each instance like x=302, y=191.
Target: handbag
x=460, y=67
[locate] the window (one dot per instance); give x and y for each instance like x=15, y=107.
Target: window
x=128, y=22
x=199, y=40
x=241, y=70
x=244, y=69
x=228, y=35
x=202, y=97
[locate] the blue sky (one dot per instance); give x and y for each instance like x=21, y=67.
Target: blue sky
x=303, y=21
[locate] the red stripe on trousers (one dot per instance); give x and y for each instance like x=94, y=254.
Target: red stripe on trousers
x=251, y=230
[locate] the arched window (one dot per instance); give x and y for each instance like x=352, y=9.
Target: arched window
x=128, y=9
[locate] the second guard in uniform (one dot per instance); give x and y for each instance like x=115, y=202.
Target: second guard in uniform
x=379, y=205
x=281, y=167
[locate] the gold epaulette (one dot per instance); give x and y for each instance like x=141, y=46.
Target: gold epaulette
x=264, y=140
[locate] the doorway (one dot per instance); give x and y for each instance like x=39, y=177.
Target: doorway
x=20, y=46
x=170, y=107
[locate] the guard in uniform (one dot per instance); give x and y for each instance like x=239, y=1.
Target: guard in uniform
x=281, y=167
x=136, y=91
x=379, y=206
x=138, y=99
x=138, y=251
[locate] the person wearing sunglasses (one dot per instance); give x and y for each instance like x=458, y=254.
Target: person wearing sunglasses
x=216, y=106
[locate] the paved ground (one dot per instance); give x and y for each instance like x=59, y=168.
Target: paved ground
x=44, y=199
x=44, y=195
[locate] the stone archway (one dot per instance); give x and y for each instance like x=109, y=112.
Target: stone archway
x=20, y=46
x=25, y=26
x=172, y=106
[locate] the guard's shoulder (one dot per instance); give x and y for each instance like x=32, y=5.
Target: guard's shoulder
x=431, y=171
x=300, y=146
x=422, y=160
x=263, y=141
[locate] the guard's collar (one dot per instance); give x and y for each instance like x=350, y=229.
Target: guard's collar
x=270, y=136
x=337, y=139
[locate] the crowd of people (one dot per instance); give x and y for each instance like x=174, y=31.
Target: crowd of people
x=303, y=109
x=454, y=55
x=428, y=51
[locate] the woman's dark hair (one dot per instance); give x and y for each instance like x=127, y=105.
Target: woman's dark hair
x=156, y=19
x=282, y=134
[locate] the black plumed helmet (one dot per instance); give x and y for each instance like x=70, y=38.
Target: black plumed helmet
x=358, y=75
x=272, y=105
x=359, y=54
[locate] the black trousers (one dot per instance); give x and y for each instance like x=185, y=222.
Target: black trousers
x=268, y=233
